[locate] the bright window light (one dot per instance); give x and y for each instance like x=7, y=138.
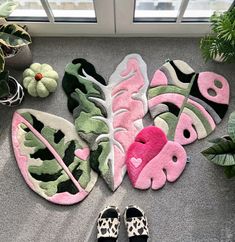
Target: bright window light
x=205, y=8
x=29, y=8
x=157, y=9
x=72, y=9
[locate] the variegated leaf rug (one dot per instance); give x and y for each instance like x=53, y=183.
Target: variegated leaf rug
x=53, y=160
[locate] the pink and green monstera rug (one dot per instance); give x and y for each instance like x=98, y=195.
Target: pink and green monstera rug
x=108, y=115
x=185, y=104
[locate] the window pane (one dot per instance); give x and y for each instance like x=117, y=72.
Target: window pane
x=29, y=8
x=73, y=9
x=205, y=8
x=157, y=8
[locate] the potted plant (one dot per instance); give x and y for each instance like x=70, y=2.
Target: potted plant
x=220, y=44
x=14, y=40
x=222, y=152
x=11, y=92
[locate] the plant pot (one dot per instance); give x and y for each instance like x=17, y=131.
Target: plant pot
x=16, y=93
x=21, y=60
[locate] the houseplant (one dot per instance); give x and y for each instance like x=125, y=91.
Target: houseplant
x=222, y=152
x=13, y=40
x=220, y=43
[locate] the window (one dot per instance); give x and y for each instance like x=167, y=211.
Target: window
x=78, y=10
x=199, y=10
x=170, y=10
x=118, y=17
x=55, y=10
x=152, y=10
x=65, y=17
x=29, y=9
x=167, y=17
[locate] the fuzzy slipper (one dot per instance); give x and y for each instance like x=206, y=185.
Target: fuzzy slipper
x=108, y=224
x=136, y=224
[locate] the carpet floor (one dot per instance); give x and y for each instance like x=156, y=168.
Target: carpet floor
x=200, y=206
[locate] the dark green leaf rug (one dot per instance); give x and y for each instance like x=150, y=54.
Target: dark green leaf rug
x=53, y=160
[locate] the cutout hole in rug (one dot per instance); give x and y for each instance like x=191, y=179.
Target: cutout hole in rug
x=218, y=84
x=175, y=158
x=211, y=92
x=186, y=133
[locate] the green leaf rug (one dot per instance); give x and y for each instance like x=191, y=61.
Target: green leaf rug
x=107, y=115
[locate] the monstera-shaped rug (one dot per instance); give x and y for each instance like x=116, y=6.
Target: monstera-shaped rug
x=53, y=160
x=152, y=159
x=107, y=115
x=187, y=105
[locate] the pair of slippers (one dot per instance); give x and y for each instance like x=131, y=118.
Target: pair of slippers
x=136, y=223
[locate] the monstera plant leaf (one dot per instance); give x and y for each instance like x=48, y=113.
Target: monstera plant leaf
x=187, y=105
x=53, y=160
x=107, y=116
x=222, y=152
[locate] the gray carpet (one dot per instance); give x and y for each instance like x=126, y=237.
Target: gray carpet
x=200, y=206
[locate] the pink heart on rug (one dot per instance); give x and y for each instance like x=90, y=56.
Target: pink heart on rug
x=82, y=153
x=136, y=161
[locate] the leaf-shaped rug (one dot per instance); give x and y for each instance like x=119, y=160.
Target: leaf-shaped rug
x=107, y=116
x=152, y=159
x=53, y=160
x=187, y=105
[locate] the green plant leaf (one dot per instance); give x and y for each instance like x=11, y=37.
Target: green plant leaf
x=2, y=60
x=4, y=88
x=7, y=8
x=13, y=35
x=231, y=126
x=221, y=42
x=229, y=171
x=216, y=140
x=221, y=153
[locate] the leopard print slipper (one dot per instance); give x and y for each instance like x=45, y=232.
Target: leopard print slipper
x=108, y=224
x=136, y=224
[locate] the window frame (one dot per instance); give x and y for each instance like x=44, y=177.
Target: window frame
x=116, y=18
x=125, y=24
x=158, y=27
x=40, y=26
